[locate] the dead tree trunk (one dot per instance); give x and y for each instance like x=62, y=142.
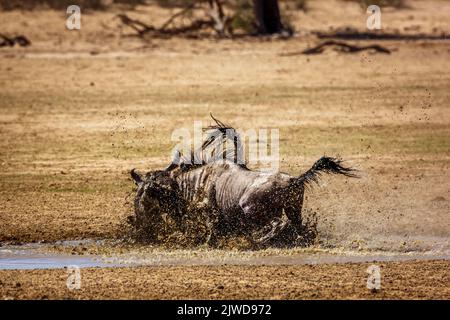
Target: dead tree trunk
x=267, y=14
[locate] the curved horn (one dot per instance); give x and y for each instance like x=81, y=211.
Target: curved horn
x=136, y=177
x=175, y=161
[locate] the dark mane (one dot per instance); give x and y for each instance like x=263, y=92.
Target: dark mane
x=217, y=138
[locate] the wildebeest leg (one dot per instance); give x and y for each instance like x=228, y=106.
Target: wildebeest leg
x=212, y=222
x=294, y=214
x=212, y=219
x=293, y=211
x=276, y=227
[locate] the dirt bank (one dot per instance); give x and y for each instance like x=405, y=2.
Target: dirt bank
x=410, y=280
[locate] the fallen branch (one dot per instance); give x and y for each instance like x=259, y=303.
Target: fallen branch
x=341, y=46
x=140, y=27
x=10, y=42
x=217, y=21
x=355, y=35
x=178, y=14
x=143, y=29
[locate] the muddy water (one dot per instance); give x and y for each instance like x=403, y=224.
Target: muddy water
x=60, y=255
x=34, y=256
x=298, y=258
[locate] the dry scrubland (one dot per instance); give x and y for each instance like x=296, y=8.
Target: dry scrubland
x=78, y=110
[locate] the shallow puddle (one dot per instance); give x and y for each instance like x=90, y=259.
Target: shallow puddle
x=60, y=255
x=32, y=256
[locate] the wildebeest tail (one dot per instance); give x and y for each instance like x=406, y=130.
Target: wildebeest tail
x=324, y=165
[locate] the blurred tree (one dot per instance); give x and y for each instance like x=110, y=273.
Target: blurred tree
x=267, y=16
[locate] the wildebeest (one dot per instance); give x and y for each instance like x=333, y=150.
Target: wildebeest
x=230, y=196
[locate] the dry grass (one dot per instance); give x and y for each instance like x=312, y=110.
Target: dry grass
x=72, y=131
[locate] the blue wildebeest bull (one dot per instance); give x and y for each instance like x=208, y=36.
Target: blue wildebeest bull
x=234, y=197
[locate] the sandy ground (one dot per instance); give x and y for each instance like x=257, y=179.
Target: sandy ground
x=411, y=280
x=78, y=110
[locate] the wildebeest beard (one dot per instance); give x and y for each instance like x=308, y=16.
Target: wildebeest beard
x=219, y=198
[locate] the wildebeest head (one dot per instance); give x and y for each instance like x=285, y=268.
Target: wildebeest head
x=154, y=187
x=157, y=203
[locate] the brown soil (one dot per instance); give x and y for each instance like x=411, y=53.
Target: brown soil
x=410, y=280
